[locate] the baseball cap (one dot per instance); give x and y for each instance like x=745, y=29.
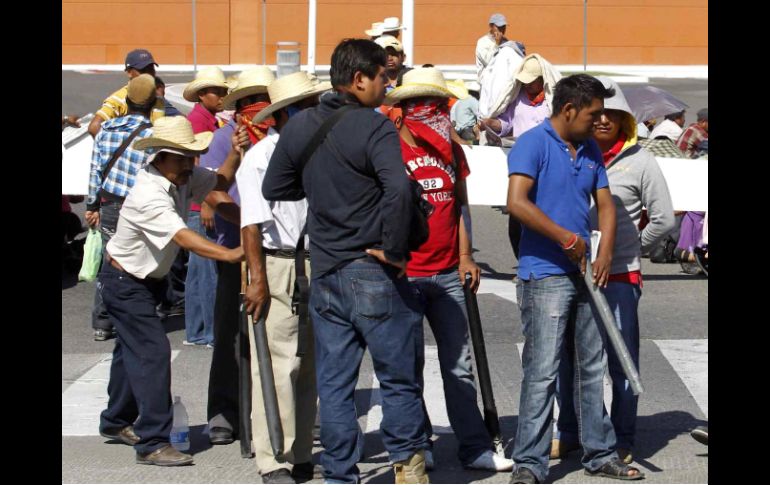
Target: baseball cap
x=530, y=71
x=141, y=89
x=386, y=41
x=139, y=59
x=498, y=19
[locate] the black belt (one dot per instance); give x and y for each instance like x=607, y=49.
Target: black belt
x=284, y=253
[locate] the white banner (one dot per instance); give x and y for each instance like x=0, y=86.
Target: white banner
x=77, y=145
x=488, y=182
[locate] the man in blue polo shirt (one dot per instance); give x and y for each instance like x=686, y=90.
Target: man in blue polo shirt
x=555, y=168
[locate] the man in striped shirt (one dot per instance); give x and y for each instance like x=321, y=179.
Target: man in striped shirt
x=106, y=191
x=138, y=61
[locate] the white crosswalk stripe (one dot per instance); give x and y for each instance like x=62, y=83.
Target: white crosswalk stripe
x=689, y=358
x=84, y=400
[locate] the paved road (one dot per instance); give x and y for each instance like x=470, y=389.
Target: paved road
x=674, y=360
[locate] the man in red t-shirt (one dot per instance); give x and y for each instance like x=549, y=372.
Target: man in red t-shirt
x=438, y=267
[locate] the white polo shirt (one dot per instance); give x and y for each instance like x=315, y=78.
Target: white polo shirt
x=153, y=212
x=281, y=221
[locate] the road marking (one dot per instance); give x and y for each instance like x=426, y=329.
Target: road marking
x=690, y=360
x=433, y=393
x=84, y=400
x=502, y=288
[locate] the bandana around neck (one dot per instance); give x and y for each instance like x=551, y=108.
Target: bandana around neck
x=536, y=100
x=259, y=130
x=430, y=123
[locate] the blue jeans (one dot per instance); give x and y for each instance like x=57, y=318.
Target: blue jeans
x=360, y=305
x=623, y=299
x=442, y=301
x=549, y=307
x=200, y=288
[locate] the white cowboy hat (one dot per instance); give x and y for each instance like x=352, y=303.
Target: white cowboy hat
x=375, y=30
x=208, y=77
x=420, y=82
x=390, y=24
x=251, y=81
x=175, y=132
x=458, y=88
x=288, y=90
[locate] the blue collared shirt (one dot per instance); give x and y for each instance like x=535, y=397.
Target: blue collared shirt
x=562, y=190
x=123, y=174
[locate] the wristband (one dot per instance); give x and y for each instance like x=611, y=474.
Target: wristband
x=571, y=243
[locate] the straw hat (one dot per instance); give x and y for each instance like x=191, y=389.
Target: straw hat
x=420, y=82
x=208, y=77
x=289, y=89
x=252, y=81
x=175, y=132
x=375, y=30
x=390, y=24
x=458, y=88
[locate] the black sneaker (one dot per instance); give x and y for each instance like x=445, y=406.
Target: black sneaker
x=165, y=311
x=303, y=471
x=280, y=475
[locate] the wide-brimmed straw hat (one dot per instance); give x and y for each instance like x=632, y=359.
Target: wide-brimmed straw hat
x=375, y=30
x=289, y=89
x=208, y=77
x=251, y=81
x=175, y=132
x=391, y=24
x=458, y=88
x=420, y=82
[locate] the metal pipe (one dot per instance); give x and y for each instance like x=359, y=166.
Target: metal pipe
x=311, y=34
x=264, y=32
x=195, y=38
x=613, y=334
x=585, y=35
x=407, y=34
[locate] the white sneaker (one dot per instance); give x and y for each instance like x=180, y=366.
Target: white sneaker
x=492, y=462
x=429, y=463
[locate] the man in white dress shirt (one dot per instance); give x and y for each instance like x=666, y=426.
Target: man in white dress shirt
x=270, y=233
x=151, y=228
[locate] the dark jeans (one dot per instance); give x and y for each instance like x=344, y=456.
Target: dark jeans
x=223, y=376
x=108, y=223
x=357, y=306
x=140, y=375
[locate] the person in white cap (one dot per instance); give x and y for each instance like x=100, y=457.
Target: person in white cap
x=496, y=63
x=151, y=230
x=396, y=57
x=248, y=98
x=270, y=232
x=438, y=268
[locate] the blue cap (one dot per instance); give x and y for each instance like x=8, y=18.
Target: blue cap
x=498, y=19
x=139, y=59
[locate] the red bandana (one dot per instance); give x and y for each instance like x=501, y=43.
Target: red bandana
x=430, y=123
x=536, y=100
x=256, y=131
x=610, y=154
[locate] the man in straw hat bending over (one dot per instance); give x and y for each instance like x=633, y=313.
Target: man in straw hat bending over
x=438, y=267
x=151, y=230
x=270, y=232
x=248, y=99
x=207, y=91
x=360, y=203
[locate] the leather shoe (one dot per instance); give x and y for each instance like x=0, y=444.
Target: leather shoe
x=220, y=436
x=164, y=456
x=126, y=435
x=280, y=475
x=303, y=471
